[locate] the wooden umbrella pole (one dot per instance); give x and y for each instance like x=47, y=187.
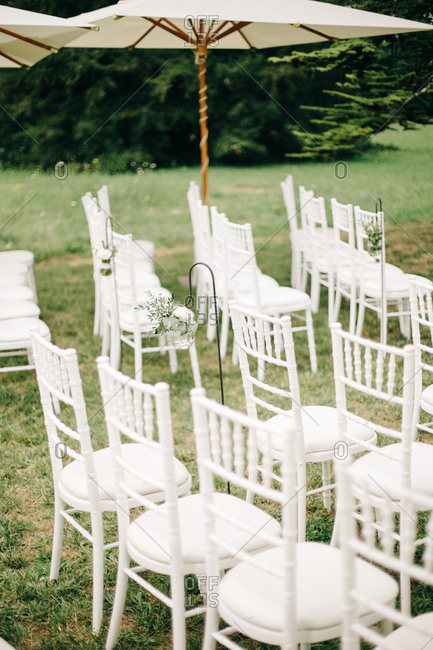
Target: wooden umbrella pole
x=201, y=55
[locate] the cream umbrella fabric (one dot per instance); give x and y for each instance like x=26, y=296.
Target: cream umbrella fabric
x=26, y=36
x=230, y=24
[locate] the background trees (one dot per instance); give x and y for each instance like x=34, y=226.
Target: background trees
x=118, y=109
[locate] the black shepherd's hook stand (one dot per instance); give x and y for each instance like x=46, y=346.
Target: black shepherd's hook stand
x=189, y=302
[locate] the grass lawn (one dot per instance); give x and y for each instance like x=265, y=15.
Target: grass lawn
x=44, y=214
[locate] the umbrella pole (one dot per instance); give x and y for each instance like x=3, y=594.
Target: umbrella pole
x=201, y=59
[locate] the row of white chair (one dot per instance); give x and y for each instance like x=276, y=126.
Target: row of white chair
x=277, y=590
x=19, y=309
x=117, y=295
x=229, y=249
x=338, y=257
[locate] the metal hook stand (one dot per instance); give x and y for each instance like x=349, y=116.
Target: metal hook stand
x=189, y=302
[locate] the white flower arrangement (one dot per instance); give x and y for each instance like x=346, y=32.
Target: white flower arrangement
x=374, y=236
x=105, y=255
x=175, y=321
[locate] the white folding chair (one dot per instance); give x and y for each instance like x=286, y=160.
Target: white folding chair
x=421, y=306
x=15, y=340
x=395, y=285
x=378, y=381
x=290, y=593
x=261, y=339
x=373, y=533
x=167, y=539
x=130, y=325
x=252, y=292
x=297, y=234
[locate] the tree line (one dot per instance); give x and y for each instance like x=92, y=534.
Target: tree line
x=115, y=109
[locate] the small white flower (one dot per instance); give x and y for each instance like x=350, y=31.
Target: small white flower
x=104, y=254
x=183, y=313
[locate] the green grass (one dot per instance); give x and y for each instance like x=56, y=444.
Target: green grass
x=49, y=219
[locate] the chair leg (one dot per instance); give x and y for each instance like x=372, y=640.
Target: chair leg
x=315, y=292
x=337, y=305
x=326, y=480
x=311, y=342
x=59, y=524
x=225, y=321
x=138, y=359
x=178, y=612
x=172, y=358
x=119, y=600
x=195, y=366
x=361, y=313
x=211, y=625
x=98, y=570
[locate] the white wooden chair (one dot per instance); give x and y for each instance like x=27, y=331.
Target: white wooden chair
x=373, y=533
x=130, y=325
x=421, y=306
x=290, y=593
x=167, y=539
x=83, y=478
x=297, y=234
x=252, y=292
x=262, y=339
x=346, y=272
x=395, y=286
x=382, y=379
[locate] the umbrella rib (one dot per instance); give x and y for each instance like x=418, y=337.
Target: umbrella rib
x=235, y=28
x=26, y=39
x=13, y=59
x=313, y=31
x=172, y=29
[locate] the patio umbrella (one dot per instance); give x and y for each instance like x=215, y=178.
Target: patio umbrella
x=207, y=25
x=26, y=36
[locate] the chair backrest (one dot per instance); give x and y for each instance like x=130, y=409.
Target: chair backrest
x=288, y=190
x=305, y=197
x=140, y=413
x=220, y=254
x=372, y=532
x=104, y=201
x=369, y=222
x=228, y=450
x=242, y=264
x=124, y=272
x=344, y=233
x=265, y=339
x=59, y=382
x=315, y=221
x=376, y=380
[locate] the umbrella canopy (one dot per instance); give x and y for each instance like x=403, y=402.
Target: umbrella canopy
x=26, y=36
x=230, y=24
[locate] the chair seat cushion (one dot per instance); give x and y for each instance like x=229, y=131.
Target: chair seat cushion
x=427, y=399
x=147, y=535
x=320, y=430
x=20, y=292
x=142, y=276
x=278, y=299
x=13, y=279
x=17, y=330
x=146, y=459
x=405, y=638
x=18, y=309
x=26, y=257
x=250, y=596
x=384, y=473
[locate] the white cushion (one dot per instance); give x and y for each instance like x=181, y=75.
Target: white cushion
x=320, y=429
x=16, y=293
x=142, y=276
x=10, y=266
x=4, y=645
x=406, y=639
x=147, y=535
x=18, y=330
x=278, y=298
x=18, y=309
x=385, y=473
x=18, y=256
x=145, y=459
x=427, y=399
x=12, y=279
x=248, y=594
